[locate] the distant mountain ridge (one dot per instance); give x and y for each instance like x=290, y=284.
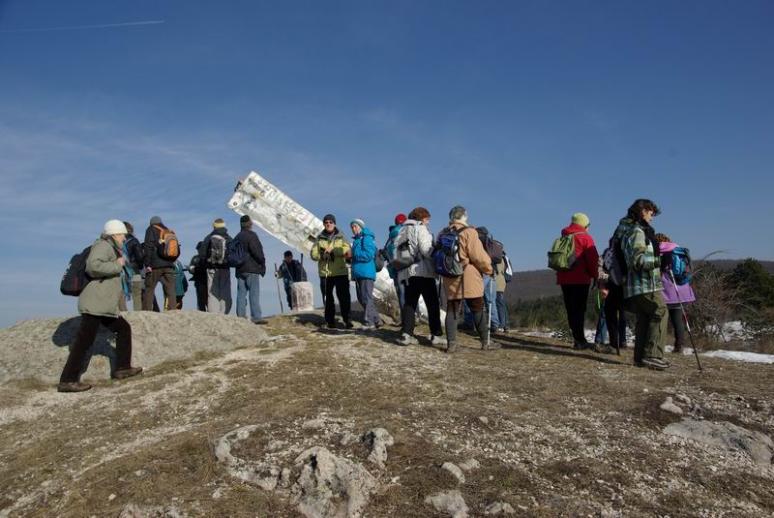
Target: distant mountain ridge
x=535, y=284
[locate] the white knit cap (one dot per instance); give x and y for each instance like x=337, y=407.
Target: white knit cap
x=113, y=227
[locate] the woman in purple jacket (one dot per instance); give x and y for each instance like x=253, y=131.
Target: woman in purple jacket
x=675, y=295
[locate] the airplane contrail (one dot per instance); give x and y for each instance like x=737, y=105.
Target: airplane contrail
x=81, y=27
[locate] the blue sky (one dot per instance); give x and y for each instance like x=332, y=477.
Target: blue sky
x=523, y=111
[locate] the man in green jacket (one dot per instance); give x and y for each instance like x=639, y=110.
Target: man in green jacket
x=331, y=252
x=643, y=284
x=100, y=303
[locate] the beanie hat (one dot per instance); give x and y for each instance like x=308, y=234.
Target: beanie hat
x=400, y=219
x=244, y=219
x=113, y=227
x=357, y=221
x=581, y=219
x=288, y=253
x=219, y=223
x=329, y=217
x=155, y=220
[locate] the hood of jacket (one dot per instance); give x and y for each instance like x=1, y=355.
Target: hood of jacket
x=573, y=228
x=667, y=246
x=365, y=231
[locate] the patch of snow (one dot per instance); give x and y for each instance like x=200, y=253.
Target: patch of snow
x=740, y=356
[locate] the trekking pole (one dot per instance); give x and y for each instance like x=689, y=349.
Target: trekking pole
x=687, y=324
x=279, y=295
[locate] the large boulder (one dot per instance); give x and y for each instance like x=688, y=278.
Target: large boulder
x=727, y=436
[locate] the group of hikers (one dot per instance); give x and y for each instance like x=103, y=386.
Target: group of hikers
x=473, y=267
x=641, y=272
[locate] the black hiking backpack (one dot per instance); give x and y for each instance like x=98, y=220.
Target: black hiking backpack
x=492, y=247
x=75, y=277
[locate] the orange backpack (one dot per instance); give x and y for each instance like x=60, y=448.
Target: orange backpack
x=169, y=246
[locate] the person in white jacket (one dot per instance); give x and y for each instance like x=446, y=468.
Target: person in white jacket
x=419, y=278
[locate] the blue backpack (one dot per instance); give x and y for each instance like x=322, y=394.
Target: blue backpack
x=680, y=265
x=446, y=256
x=235, y=253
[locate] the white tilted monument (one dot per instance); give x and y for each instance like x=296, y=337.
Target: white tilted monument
x=279, y=215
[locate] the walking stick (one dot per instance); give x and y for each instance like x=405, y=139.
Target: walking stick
x=279, y=295
x=687, y=324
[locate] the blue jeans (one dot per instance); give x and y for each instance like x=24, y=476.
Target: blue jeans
x=489, y=303
x=248, y=283
x=502, y=309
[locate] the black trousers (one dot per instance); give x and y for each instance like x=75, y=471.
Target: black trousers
x=428, y=290
x=85, y=339
x=614, y=315
x=340, y=283
x=576, y=297
x=676, y=318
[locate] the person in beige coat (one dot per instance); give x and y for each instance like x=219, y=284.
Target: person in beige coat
x=100, y=303
x=470, y=285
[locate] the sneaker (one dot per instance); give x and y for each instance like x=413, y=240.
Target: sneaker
x=491, y=346
x=121, y=374
x=72, y=386
x=407, y=339
x=655, y=363
x=437, y=340
x=368, y=327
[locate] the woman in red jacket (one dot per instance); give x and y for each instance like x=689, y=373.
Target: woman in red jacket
x=575, y=282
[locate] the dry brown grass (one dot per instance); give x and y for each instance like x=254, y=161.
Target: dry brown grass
x=563, y=431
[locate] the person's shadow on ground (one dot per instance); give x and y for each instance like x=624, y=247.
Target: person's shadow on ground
x=104, y=343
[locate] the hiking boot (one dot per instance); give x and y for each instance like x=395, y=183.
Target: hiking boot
x=580, y=346
x=490, y=346
x=260, y=322
x=348, y=325
x=451, y=348
x=72, y=386
x=407, y=339
x=655, y=363
x=368, y=327
x=437, y=340
x=603, y=349
x=677, y=349
x=121, y=374
x=331, y=325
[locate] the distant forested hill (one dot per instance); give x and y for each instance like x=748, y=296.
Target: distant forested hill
x=535, y=284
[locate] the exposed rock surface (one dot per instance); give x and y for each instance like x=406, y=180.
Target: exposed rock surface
x=450, y=503
x=37, y=349
x=455, y=471
x=496, y=508
x=669, y=406
x=331, y=486
x=378, y=440
x=756, y=445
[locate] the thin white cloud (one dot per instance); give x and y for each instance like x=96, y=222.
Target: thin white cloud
x=85, y=27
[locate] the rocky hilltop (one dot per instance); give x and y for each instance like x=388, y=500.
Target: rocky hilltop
x=232, y=419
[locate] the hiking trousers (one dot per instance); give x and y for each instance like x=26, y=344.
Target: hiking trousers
x=248, y=285
x=502, y=309
x=85, y=339
x=678, y=324
x=480, y=318
x=651, y=327
x=575, y=299
x=615, y=317
x=428, y=290
x=340, y=283
x=365, y=296
x=219, y=290
x=167, y=278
